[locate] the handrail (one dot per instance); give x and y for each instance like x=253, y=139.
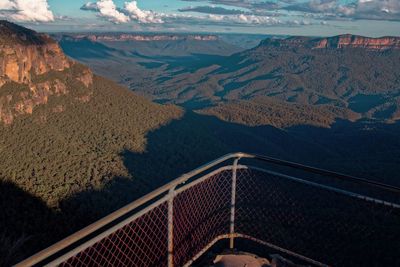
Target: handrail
x=332, y=174
x=42, y=255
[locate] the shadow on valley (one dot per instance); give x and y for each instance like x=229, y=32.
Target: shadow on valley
x=184, y=145
x=86, y=49
x=25, y=223
x=363, y=148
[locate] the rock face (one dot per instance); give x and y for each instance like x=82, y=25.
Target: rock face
x=146, y=37
x=24, y=53
x=18, y=63
x=26, y=60
x=353, y=41
x=336, y=42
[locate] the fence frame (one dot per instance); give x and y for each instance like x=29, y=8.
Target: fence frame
x=171, y=189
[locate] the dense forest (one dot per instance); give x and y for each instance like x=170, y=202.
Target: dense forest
x=76, y=146
x=67, y=146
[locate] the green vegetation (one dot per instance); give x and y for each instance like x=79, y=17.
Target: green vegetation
x=55, y=155
x=293, y=73
x=90, y=150
x=269, y=111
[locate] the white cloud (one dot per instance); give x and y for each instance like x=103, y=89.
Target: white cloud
x=142, y=16
x=357, y=9
x=27, y=10
x=108, y=10
x=374, y=7
x=244, y=19
x=131, y=12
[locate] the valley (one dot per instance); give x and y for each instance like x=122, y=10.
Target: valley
x=355, y=73
x=76, y=146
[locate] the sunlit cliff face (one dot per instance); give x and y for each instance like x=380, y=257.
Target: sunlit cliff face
x=337, y=42
x=25, y=55
x=19, y=63
x=352, y=41
x=146, y=38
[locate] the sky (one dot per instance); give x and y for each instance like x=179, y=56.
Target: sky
x=287, y=17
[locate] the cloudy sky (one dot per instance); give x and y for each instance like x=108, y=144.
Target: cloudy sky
x=293, y=17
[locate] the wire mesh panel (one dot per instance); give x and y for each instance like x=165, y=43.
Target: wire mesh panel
x=143, y=242
x=201, y=213
x=322, y=223
x=327, y=226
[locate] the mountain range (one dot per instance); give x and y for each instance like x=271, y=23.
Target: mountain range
x=76, y=146
x=356, y=75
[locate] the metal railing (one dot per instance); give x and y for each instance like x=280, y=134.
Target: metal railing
x=317, y=217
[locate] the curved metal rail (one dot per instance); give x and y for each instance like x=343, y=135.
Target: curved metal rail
x=169, y=200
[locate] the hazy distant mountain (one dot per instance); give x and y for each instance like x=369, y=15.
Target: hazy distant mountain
x=247, y=41
x=355, y=73
x=137, y=60
x=149, y=45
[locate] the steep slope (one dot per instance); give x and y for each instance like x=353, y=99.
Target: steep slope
x=62, y=131
x=25, y=53
x=139, y=60
x=352, y=72
x=356, y=73
x=151, y=45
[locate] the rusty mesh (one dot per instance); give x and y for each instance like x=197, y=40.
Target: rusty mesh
x=327, y=226
x=333, y=227
x=142, y=242
x=201, y=213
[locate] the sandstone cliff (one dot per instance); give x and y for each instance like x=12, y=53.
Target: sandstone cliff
x=145, y=37
x=27, y=60
x=336, y=42
x=25, y=53
x=354, y=41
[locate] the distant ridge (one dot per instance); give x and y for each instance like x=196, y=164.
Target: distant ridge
x=146, y=37
x=337, y=42
x=355, y=41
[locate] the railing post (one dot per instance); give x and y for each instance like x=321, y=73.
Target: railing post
x=171, y=196
x=233, y=204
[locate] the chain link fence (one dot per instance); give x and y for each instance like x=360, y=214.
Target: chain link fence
x=315, y=223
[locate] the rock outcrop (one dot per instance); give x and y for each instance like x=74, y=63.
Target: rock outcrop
x=26, y=60
x=144, y=37
x=24, y=53
x=354, y=41
x=335, y=42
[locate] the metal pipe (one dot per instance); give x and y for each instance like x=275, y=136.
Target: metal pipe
x=319, y=171
x=42, y=255
x=264, y=243
x=206, y=247
x=288, y=252
x=106, y=233
x=328, y=188
x=233, y=204
x=171, y=196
